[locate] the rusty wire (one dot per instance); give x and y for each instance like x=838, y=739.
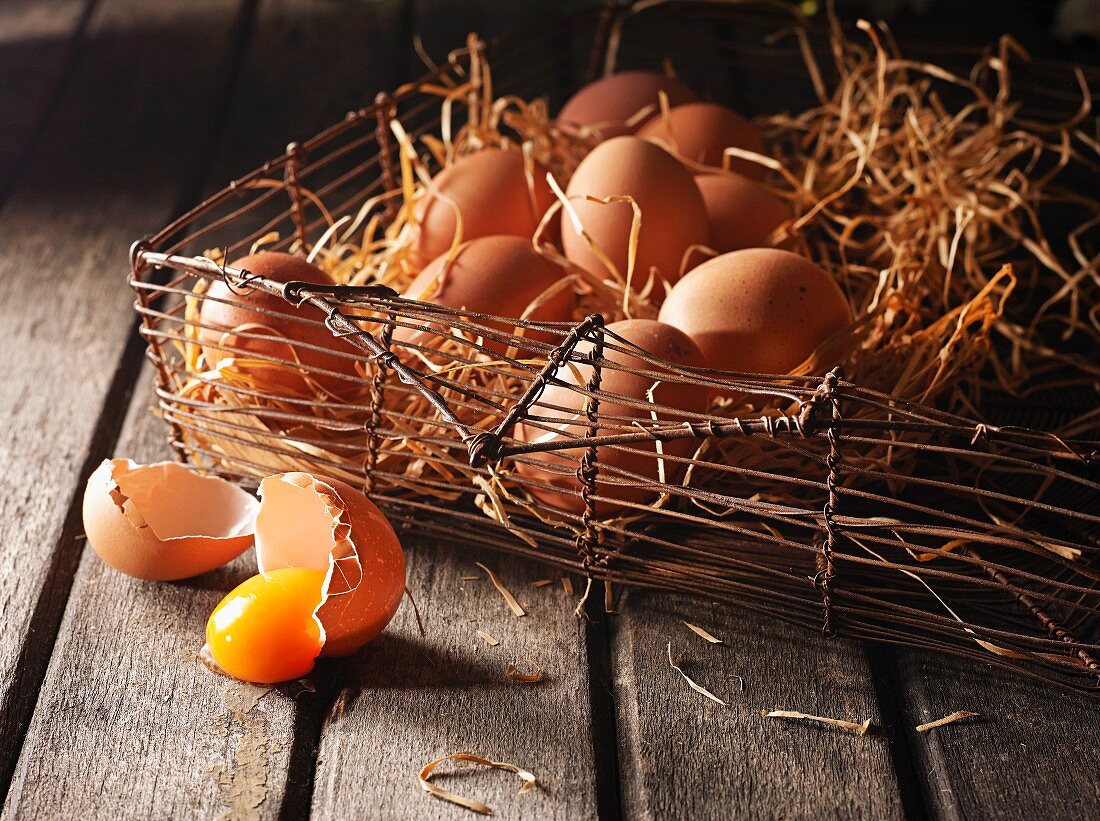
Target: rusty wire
x=984, y=542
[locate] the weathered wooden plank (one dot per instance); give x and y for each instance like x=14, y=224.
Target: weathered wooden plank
x=408, y=700
x=684, y=756
x=159, y=736
x=129, y=721
x=1030, y=754
x=114, y=160
x=38, y=41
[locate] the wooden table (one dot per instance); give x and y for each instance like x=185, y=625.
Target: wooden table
x=116, y=115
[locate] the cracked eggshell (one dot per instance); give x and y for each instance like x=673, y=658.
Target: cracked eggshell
x=324, y=524
x=163, y=522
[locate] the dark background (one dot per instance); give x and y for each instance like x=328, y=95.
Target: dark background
x=382, y=32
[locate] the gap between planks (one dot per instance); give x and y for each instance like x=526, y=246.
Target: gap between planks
x=45, y=614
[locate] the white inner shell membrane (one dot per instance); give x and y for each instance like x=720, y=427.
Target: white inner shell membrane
x=176, y=502
x=294, y=528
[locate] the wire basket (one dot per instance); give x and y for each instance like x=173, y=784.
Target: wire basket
x=973, y=539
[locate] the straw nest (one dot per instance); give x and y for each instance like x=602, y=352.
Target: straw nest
x=926, y=211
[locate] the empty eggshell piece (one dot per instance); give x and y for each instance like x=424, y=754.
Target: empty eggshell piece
x=164, y=522
x=603, y=107
x=700, y=133
x=679, y=400
x=274, y=320
x=502, y=276
x=761, y=310
x=305, y=521
x=492, y=192
x=742, y=213
x=673, y=215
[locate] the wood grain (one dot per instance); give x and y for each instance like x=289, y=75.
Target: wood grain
x=148, y=730
x=683, y=756
x=116, y=159
x=1030, y=754
x=129, y=721
x=38, y=41
x=408, y=700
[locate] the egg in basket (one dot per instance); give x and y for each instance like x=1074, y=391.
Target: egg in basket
x=644, y=336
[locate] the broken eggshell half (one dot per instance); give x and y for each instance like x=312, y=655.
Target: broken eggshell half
x=164, y=522
x=324, y=524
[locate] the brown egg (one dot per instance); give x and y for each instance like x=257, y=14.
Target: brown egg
x=673, y=215
x=498, y=275
x=700, y=132
x=317, y=523
x=661, y=341
x=605, y=105
x=761, y=310
x=742, y=213
x=280, y=325
x=162, y=521
x=491, y=191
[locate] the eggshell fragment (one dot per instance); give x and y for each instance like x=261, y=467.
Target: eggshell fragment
x=761, y=310
x=492, y=192
x=742, y=213
x=162, y=521
x=603, y=107
x=270, y=317
x=700, y=133
x=324, y=524
x=502, y=276
x=657, y=339
x=673, y=217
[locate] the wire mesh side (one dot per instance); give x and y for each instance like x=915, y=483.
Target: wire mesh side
x=970, y=539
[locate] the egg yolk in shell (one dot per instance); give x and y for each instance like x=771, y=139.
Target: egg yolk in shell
x=264, y=631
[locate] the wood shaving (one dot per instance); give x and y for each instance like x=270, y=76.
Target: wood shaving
x=567, y=586
x=527, y=678
x=468, y=578
x=608, y=598
x=851, y=726
x=416, y=612
x=528, y=778
x=958, y=715
x=490, y=640
x=699, y=631
x=696, y=687
x=579, y=611
x=541, y=583
x=509, y=599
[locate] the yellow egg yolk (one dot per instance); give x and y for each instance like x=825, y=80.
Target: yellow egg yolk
x=264, y=630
